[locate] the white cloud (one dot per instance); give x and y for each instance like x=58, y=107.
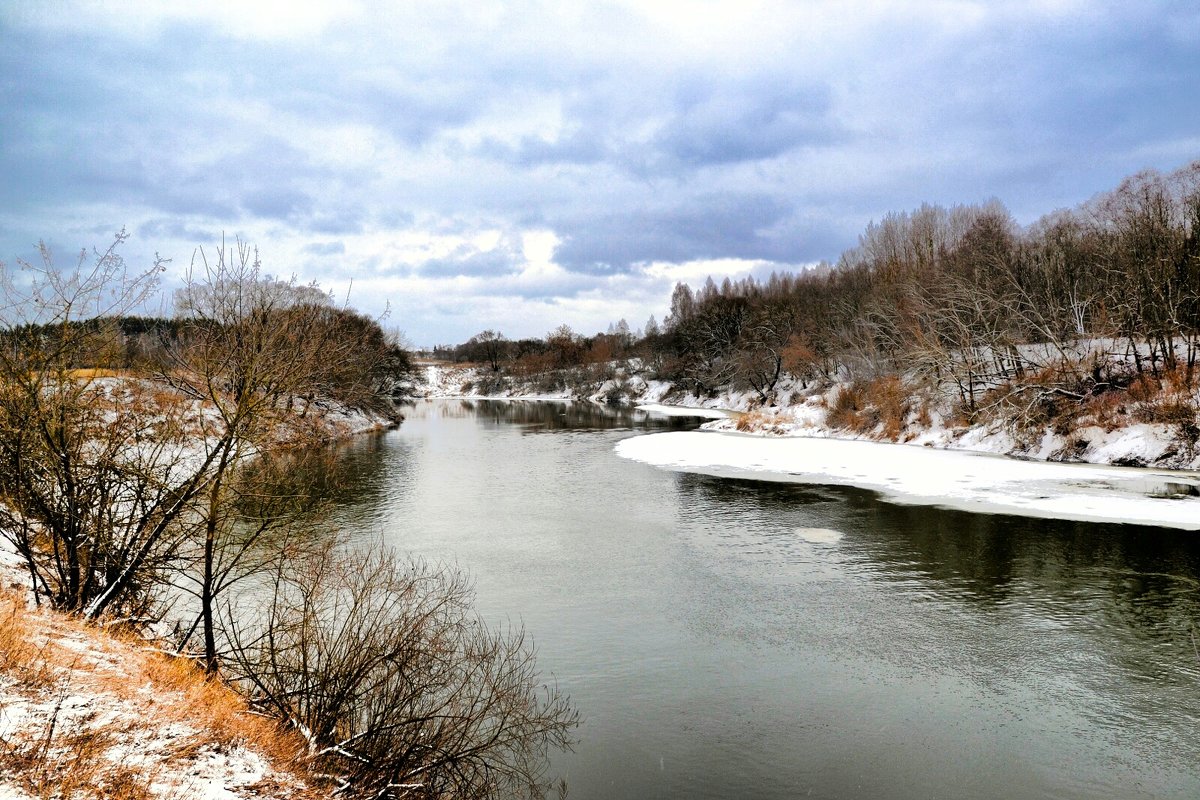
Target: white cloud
x=244, y=19
x=544, y=160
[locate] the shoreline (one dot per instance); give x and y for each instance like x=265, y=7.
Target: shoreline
x=1129, y=475
x=911, y=474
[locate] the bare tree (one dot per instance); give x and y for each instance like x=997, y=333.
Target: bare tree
x=95, y=487
x=251, y=344
x=490, y=346
x=399, y=688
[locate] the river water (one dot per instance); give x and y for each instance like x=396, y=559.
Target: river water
x=740, y=639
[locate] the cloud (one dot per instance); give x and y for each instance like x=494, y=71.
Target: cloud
x=578, y=148
x=747, y=121
x=468, y=261
x=706, y=227
x=176, y=228
x=429, y=139
x=325, y=248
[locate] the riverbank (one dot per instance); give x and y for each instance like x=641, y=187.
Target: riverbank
x=1138, y=472
x=1116, y=437
x=90, y=712
x=914, y=638
x=957, y=479
x=94, y=711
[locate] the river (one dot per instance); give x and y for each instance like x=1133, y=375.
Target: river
x=730, y=638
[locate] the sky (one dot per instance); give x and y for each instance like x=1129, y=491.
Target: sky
x=518, y=165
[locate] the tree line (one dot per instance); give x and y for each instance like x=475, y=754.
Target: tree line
x=960, y=299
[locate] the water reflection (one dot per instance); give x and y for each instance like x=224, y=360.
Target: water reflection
x=736, y=638
x=555, y=415
x=983, y=558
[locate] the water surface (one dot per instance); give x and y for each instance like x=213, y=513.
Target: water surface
x=740, y=639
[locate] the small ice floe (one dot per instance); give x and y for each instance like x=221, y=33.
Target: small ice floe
x=819, y=535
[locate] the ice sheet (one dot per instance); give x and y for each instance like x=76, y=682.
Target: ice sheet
x=922, y=475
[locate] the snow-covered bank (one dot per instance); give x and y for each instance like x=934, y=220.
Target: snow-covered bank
x=85, y=713
x=805, y=412
x=924, y=475
x=939, y=464
x=685, y=411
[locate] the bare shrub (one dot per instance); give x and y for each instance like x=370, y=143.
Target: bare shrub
x=878, y=407
x=889, y=398
x=1109, y=410
x=846, y=404
x=1176, y=411
x=399, y=688
x=92, y=496
x=1142, y=388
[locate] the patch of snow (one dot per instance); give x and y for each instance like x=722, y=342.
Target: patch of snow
x=929, y=476
x=685, y=411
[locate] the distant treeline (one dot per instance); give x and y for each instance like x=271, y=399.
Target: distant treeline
x=369, y=369
x=962, y=297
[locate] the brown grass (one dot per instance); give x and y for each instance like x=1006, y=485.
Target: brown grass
x=60, y=761
x=760, y=421
x=847, y=404
x=877, y=407
x=95, y=372
x=135, y=699
x=890, y=396
x=1142, y=389
x=20, y=658
x=751, y=421
x=1109, y=410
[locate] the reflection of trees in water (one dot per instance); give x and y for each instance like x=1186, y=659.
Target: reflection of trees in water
x=539, y=416
x=351, y=472
x=1141, y=579
x=764, y=498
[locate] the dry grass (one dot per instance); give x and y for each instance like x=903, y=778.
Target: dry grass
x=877, y=408
x=55, y=763
x=86, y=714
x=21, y=660
x=761, y=422
x=847, y=404
x=95, y=372
x=1055, y=399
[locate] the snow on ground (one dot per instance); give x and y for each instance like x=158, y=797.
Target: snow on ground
x=143, y=720
x=454, y=381
x=83, y=711
x=925, y=475
x=443, y=380
x=959, y=468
